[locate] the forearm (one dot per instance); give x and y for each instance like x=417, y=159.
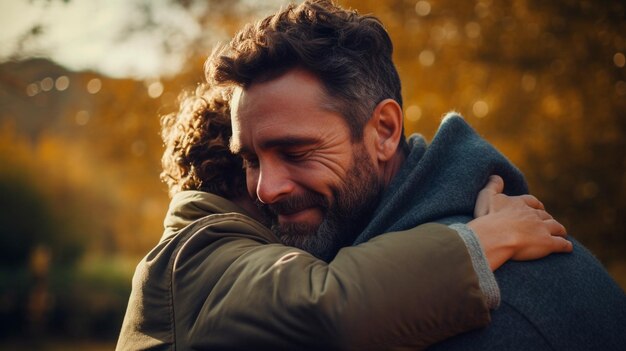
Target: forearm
x=409, y=288
x=440, y=293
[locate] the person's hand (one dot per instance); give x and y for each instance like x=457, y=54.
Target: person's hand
x=515, y=227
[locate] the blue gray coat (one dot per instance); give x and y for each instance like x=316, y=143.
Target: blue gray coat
x=561, y=302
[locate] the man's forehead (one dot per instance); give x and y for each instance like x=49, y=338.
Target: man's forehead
x=292, y=106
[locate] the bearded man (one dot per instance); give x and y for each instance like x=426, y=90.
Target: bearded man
x=316, y=115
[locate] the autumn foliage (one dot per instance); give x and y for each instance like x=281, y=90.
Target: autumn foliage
x=81, y=200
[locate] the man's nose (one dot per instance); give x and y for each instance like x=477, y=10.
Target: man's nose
x=273, y=183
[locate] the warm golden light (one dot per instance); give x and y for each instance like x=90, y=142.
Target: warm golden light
x=480, y=109
x=94, y=85
x=619, y=59
x=155, y=89
x=46, y=84
x=82, y=117
x=427, y=58
x=62, y=83
x=32, y=89
x=422, y=8
x=413, y=113
x=472, y=30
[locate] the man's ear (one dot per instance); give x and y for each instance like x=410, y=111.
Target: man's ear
x=387, y=122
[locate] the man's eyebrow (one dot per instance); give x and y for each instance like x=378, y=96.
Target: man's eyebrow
x=288, y=141
x=283, y=142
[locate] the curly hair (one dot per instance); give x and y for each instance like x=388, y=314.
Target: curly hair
x=196, y=137
x=351, y=54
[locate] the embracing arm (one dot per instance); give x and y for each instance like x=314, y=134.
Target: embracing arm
x=409, y=288
x=230, y=284
x=237, y=289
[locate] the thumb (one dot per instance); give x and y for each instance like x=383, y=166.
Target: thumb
x=494, y=186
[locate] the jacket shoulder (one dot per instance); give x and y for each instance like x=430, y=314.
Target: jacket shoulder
x=150, y=316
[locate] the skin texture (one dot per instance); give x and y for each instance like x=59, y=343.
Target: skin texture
x=279, y=125
x=298, y=154
x=302, y=163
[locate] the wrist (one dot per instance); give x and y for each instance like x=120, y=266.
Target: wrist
x=486, y=279
x=498, y=246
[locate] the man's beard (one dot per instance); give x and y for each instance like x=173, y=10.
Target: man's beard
x=355, y=199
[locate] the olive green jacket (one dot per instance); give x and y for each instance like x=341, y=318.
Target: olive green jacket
x=220, y=280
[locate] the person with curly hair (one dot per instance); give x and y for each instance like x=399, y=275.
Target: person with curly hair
x=197, y=156
x=196, y=137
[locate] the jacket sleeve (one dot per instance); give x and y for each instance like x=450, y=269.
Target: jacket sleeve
x=234, y=288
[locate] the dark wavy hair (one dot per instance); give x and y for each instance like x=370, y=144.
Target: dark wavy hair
x=196, y=138
x=348, y=52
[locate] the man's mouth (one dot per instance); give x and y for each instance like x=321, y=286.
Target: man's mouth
x=308, y=215
x=307, y=209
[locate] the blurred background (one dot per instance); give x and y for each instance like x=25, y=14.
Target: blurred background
x=83, y=83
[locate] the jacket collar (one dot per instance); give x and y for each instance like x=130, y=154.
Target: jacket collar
x=439, y=182
x=190, y=205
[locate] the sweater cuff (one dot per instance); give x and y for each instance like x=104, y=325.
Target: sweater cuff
x=486, y=279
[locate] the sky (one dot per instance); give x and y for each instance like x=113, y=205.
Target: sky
x=99, y=35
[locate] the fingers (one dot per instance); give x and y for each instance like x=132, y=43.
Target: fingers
x=560, y=244
x=532, y=202
x=543, y=214
x=555, y=228
x=485, y=198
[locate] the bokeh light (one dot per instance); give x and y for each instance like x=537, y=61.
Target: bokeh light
x=413, y=113
x=94, y=85
x=619, y=59
x=62, y=83
x=82, y=117
x=422, y=8
x=46, y=84
x=480, y=109
x=427, y=58
x=155, y=89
